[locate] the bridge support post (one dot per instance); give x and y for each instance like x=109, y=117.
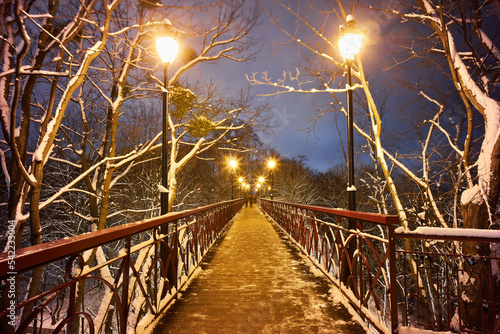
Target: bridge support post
x=125, y=286
x=393, y=289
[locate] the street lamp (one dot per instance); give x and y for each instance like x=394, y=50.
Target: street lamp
x=232, y=164
x=350, y=42
x=272, y=164
x=167, y=47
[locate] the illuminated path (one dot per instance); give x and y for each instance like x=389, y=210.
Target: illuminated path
x=254, y=281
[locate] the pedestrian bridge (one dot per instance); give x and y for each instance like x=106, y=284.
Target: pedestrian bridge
x=256, y=281
x=222, y=268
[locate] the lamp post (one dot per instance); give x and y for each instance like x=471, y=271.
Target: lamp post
x=232, y=164
x=272, y=164
x=350, y=42
x=167, y=47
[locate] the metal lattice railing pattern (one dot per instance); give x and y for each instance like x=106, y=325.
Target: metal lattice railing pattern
x=422, y=275
x=450, y=290
x=356, y=261
x=115, y=280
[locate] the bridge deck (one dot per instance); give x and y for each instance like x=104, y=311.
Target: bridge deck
x=255, y=281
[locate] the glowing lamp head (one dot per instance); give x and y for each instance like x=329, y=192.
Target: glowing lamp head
x=271, y=163
x=232, y=163
x=167, y=44
x=350, y=40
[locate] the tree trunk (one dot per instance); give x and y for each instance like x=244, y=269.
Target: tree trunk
x=474, y=282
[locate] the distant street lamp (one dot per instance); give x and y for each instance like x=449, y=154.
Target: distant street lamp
x=350, y=42
x=272, y=164
x=167, y=47
x=232, y=163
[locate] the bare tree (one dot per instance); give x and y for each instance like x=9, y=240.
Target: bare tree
x=295, y=181
x=458, y=45
x=68, y=76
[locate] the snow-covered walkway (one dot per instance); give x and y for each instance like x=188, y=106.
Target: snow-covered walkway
x=255, y=281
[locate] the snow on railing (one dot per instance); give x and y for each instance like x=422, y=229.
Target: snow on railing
x=451, y=290
x=113, y=280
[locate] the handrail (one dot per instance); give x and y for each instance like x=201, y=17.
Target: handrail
x=367, y=216
x=361, y=265
x=451, y=234
x=29, y=257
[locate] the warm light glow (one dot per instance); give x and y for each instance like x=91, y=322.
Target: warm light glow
x=350, y=44
x=261, y=179
x=167, y=47
x=240, y=180
x=271, y=163
x=248, y=186
x=233, y=163
x=258, y=185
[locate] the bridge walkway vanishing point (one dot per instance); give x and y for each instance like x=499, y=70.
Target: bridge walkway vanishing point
x=256, y=281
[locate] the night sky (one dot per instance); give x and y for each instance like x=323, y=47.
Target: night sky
x=322, y=146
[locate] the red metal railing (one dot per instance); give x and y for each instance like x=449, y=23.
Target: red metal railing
x=126, y=284
x=460, y=291
x=364, y=275
x=376, y=277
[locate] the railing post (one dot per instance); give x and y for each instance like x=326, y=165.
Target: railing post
x=199, y=218
x=361, y=272
x=176, y=261
x=125, y=283
x=392, y=276
x=71, y=307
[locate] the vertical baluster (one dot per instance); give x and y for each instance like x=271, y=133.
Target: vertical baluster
x=447, y=282
x=152, y=285
x=125, y=287
x=195, y=236
x=392, y=274
x=176, y=260
x=71, y=307
x=438, y=295
x=362, y=287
